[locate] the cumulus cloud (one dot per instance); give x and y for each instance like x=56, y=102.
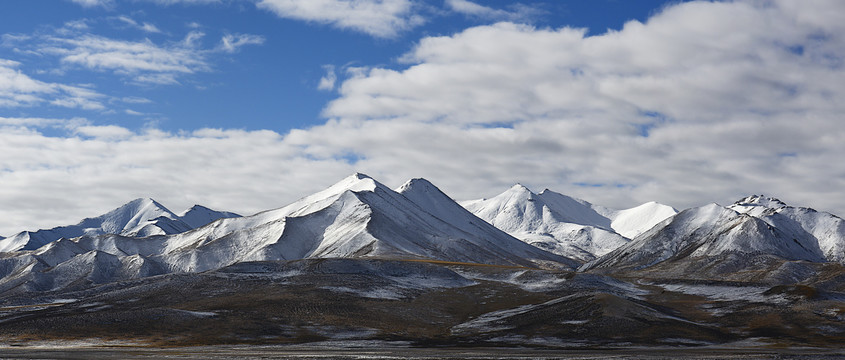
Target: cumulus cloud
x=48, y=177
x=706, y=101
x=379, y=18
x=703, y=102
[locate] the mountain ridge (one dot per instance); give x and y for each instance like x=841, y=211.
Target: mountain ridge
x=567, y=226
x=138, y=218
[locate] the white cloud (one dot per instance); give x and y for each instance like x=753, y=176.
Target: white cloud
x=104, y=132
x=29, y=122
x=379, y=18
x=734, y=98
x=109, y=165
x=18, y=89
x=519, y=12
x=136, y=100
x=127, y=57
x=327, y=81
x=184, y=2
x=146, y=27
x=192, y=39
x=94, y=3
x=704, y=102
x=144, y=62
x=233, y=42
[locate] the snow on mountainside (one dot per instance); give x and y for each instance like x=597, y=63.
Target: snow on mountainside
x=429, y=197
x=564, y=225
x=637, y=220
x=355, y=218
x=137, y=218
x=708, y=232
x=826, y=229
x=199, y=215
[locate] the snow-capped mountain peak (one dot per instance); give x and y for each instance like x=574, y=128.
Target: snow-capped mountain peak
x=634, y=221
x=824, y=229
x=551, y=221
x=199, y=215
x=759, y=200
x=138, y=218
x=131, y=219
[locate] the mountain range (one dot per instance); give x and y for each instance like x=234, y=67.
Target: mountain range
x=415, y=240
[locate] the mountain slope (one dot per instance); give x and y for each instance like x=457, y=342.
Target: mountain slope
x=199, y=215
x=137, y=218
x=637, y=220
x=711, y=234
x=433, y=200
x=357, y=217
x=826, y=229
x=564, y=225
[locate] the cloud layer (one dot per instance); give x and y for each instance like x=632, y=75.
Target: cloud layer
x=704, y=102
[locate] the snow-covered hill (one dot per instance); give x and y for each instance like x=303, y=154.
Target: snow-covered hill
x=710, y=233
x=137, y=218
x=825, y=229
x=571, y=227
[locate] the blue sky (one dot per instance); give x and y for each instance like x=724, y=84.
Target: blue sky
x=272, y=84
x=246, y=105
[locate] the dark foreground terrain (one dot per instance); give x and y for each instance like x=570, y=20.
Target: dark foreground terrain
x=369, y=352
x=431, y=309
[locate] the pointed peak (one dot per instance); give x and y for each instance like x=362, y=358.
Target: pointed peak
x=360, y=176
x=198, y=207
x=355, y=183
x=420, y=181
x=415, y=184
x=141, y=200
x=519, y=188
x=761, y=200
x=142, y=203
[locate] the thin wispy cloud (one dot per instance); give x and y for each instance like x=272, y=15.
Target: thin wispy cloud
x=135, y=59
x=18, y=89
x=233, y=42
x=328, y=81
x=143, y=62
x=146, y=27
x=516, y=12
x=184, y=2
x=379, y=18
x=94, y=3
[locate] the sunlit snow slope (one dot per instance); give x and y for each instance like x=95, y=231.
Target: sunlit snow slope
x=564, y=225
